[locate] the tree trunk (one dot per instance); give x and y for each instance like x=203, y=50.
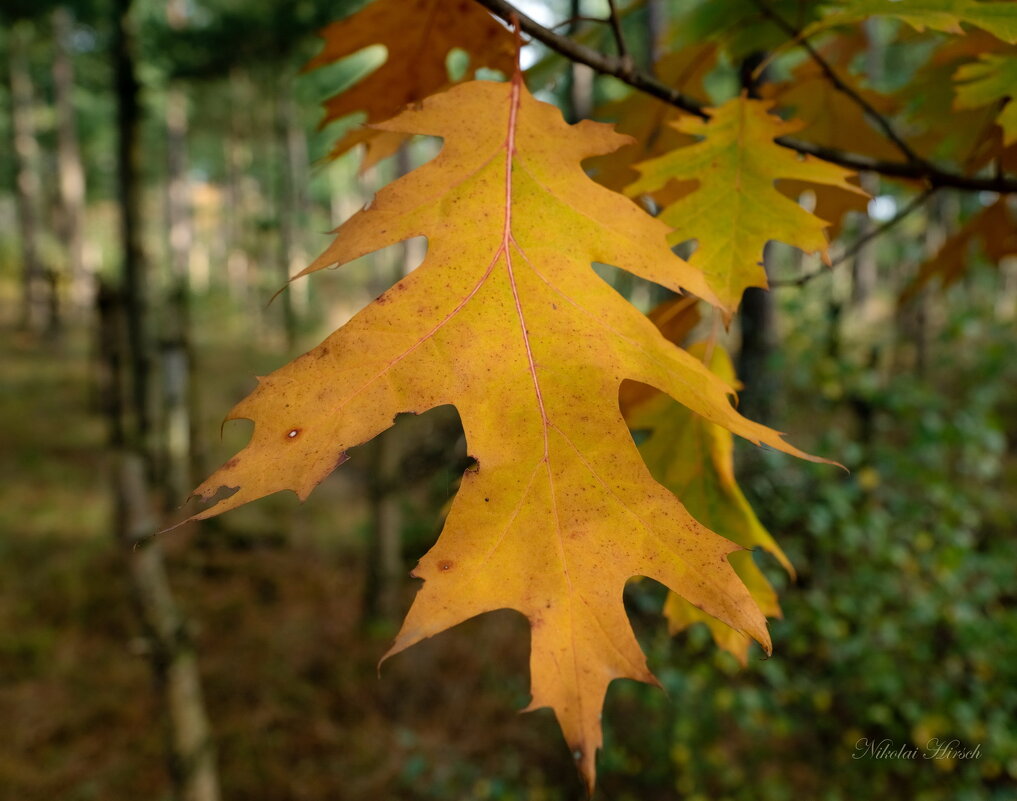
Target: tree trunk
x=579, y=99
x=130, y=200
x=757, y=318
x=178, y=399
x=236, y=218
x=25, y=148
x=285, y=201
x=384, y=554
x=296, y=213
x=178, y=190
x=385, y=570
x=179, y=220
x=178, y=389
x=655, y=29
x=174, y=662
x=755, y=356
x=190, y=754
x=70, y=171
x=864, y=268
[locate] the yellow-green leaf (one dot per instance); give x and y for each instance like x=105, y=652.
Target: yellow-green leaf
x=645, y=118
x=695, y=460
x=736, y=208
x=991, y=79
x=998, y=18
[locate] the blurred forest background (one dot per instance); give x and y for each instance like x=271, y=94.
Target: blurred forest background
x=161, y=176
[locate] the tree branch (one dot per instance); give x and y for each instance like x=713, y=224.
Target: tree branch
x=859, y=243
x=573, y=20
x=838, y=83
x=604, y=64
x=619, y=37
x=934, y=177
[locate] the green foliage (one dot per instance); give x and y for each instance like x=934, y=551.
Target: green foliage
x=902, y=624
x=222, y=35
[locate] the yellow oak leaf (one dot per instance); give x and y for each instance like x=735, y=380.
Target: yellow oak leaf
x=418, y=35
x=695, y=460
x=675, y=319
x=995, y=227
x=506, y=320
x=989, y=81
x=998, y=18
x=736, y=209
x=645, y=118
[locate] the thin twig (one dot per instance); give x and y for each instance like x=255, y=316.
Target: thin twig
x=604, y=64
x=915, y=203
x=573, y=20
x=838, y=83
x=933, y=176
x=619, y=37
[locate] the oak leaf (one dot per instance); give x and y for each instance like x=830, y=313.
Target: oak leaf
x=736, y=208
x=418, y=36
x=992, y=80
x=995, y=227
x=830, y=117
x=945, y=16
x=695, y=460
x=939, y=128
x=646, y=118
x=507, y=320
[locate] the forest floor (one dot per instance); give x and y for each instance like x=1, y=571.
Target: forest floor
x=274, y=593
x=289, y=665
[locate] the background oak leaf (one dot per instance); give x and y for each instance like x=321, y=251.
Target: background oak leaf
x=736, y=208
x=695, y=460
x=415, y=65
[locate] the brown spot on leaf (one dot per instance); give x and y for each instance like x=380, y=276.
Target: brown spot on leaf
x=445, y=565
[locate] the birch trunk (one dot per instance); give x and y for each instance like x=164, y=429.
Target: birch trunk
x=25, y=148
x=128, y=341
x=70, y=171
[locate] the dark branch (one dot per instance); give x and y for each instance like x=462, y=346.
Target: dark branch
x=605, y=65
x=929, y=174
x=859, y=243
x=571, y=21
x=838, y=83
x=619, y=37
x=924, y=171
